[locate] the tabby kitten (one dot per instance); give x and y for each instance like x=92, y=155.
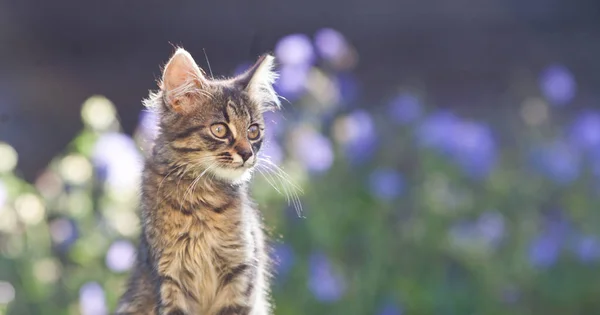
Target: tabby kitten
x=202, y=249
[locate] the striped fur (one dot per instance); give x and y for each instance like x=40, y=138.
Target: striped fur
x=202, y=248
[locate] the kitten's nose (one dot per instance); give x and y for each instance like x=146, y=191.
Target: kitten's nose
x=245, y=152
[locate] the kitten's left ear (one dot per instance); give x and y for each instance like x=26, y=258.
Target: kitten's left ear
x=258, y=82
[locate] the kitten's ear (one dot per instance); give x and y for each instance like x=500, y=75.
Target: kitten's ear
x=182, y=81
x=258, y=82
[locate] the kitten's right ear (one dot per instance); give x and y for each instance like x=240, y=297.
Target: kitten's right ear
x=182, y=81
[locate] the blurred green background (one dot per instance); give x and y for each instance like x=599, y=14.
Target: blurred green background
x=408, y=206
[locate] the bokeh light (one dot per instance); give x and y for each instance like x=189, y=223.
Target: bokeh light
x=558, y=84
x=120, y=256
x=7, y=292
x=98, y=112
x=325, y=284
x=9, y=157
x=92, y=300
x=30, y=208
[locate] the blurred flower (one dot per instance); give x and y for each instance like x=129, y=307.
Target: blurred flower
x=47, y=270
x=49, y=184
x=333, y=47
x=98, y=112
x=357, y=134
x=558, y=84
x=390, y=308
x=546, y=247
x=92, y=300
x=544, y=251
x=3, y=194
x=75, y=169
x=469, y=144
x=587, y=249
x=148, y=125
x=292, y=80
x=558, y=161
x=324, y=283
x=313, y=150
x=485, y=233
x=120, y=256
x=386, y=184
x=295, y=49
x=330, y=44
x=284, y=260
x=473, y=148
x=7, y=292
x=9, y=157
x=30, y=208
x=117, y=155
x=436, y=131
x=63, y=233
x=405, y=108
x=585, y=131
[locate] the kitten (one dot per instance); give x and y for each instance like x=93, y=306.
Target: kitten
x=202, y=248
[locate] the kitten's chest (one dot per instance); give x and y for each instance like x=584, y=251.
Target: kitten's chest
x=207, y=248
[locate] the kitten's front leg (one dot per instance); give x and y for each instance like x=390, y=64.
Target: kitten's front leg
x=172, y=294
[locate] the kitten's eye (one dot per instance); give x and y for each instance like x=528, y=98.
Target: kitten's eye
x=219, y=130
x=253, y=132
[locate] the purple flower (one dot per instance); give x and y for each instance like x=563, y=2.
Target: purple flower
x=92, y=300
x=386, y=184
x=63, y=233
x=544, y=251
x=148, y=125
x=435, y=132
x=546, y=247
x=120, y=256
x=295, y=49
x=390, y=308
x=558, y=84
x=468, y=144
x=558, y=161
x=313, y=150
x=473, y=148
x=587, y=249
x=292, y=80
x=359, y=136
x=325, y=284
x=405, y=108
x=118, y=155
x=585, y=131
x=284, y=260
x=331, y=44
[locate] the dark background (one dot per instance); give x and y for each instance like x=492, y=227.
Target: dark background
x=54, y=54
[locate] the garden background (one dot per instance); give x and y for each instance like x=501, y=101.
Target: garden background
x=448, y=152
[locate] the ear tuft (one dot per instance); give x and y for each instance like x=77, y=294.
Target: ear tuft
x=182, y=80
x=258, y=82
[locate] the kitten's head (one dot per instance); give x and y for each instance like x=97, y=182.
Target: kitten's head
x=213, y=126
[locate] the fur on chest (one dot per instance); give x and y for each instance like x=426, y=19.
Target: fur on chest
x=204, y=251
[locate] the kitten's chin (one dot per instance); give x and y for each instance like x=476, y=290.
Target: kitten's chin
x=234, y=175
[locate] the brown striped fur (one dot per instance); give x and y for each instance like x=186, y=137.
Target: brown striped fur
x=202, y=248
